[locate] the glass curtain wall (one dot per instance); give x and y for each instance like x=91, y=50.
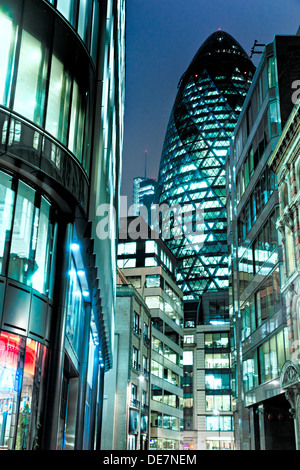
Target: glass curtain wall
x=27, y=235
x=41, y=80
x=192, y=168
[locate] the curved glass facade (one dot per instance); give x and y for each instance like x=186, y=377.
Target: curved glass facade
x=40, y=79
x=62, y=70
x=192, y=169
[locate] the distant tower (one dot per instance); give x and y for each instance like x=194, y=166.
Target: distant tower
x=192, y=169
x=144, y=193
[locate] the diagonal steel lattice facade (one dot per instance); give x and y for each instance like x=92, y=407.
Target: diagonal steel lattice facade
x=192, y=168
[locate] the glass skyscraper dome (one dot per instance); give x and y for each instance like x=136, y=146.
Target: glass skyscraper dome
x=192, y=169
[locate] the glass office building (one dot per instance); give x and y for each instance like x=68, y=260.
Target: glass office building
x=192, y=169
x=192, y=181
x=56, y=310
x=257, y=306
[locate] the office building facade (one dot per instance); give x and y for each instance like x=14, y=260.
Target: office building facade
x=150, y=267
x=144, y=197
x=257, y=308
x=127, y=384
x=61, y=140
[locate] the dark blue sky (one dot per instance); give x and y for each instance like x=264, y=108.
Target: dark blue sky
x=162, y=38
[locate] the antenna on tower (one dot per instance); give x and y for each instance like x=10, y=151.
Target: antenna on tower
x=254, y=46
x=145, y=163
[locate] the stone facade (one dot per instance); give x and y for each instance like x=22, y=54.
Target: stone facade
x=285, y=162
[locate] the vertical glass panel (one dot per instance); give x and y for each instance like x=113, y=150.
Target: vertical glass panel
x=271, y=72
x=30, y=86
x=57, y=120
x=6, y=209
x=77, y=122
x=11, y=353
x=41, y=268
x=75, y=309
x=94, y=39
x=8, y=34
x=23, y=241
x=273, y=110
x=67, y=9
x=280, y=350
x=29, y=396
x=84, y=20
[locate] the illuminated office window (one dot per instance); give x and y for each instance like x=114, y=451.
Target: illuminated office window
x=57, y=120
x=31, y=79
x=21, y=263
x=66, y=8
x=7, y=52
x=6, y=209
x=77, y=122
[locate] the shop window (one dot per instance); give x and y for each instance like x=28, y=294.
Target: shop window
x=22, y=385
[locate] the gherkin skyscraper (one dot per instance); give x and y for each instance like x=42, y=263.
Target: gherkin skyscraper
x=192, y=169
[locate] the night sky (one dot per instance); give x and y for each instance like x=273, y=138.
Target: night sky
x=162, y=37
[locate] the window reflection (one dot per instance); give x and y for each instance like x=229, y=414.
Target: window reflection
x=27, y=241
x=77, y=122
x=75, y=308
x=66, y=8
x=67, y=111
x=30, y=86
x=42, y=256
x=21, y=263
x=22, y=366
x=6, y=209
x=57, y=120
x=7, y=50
